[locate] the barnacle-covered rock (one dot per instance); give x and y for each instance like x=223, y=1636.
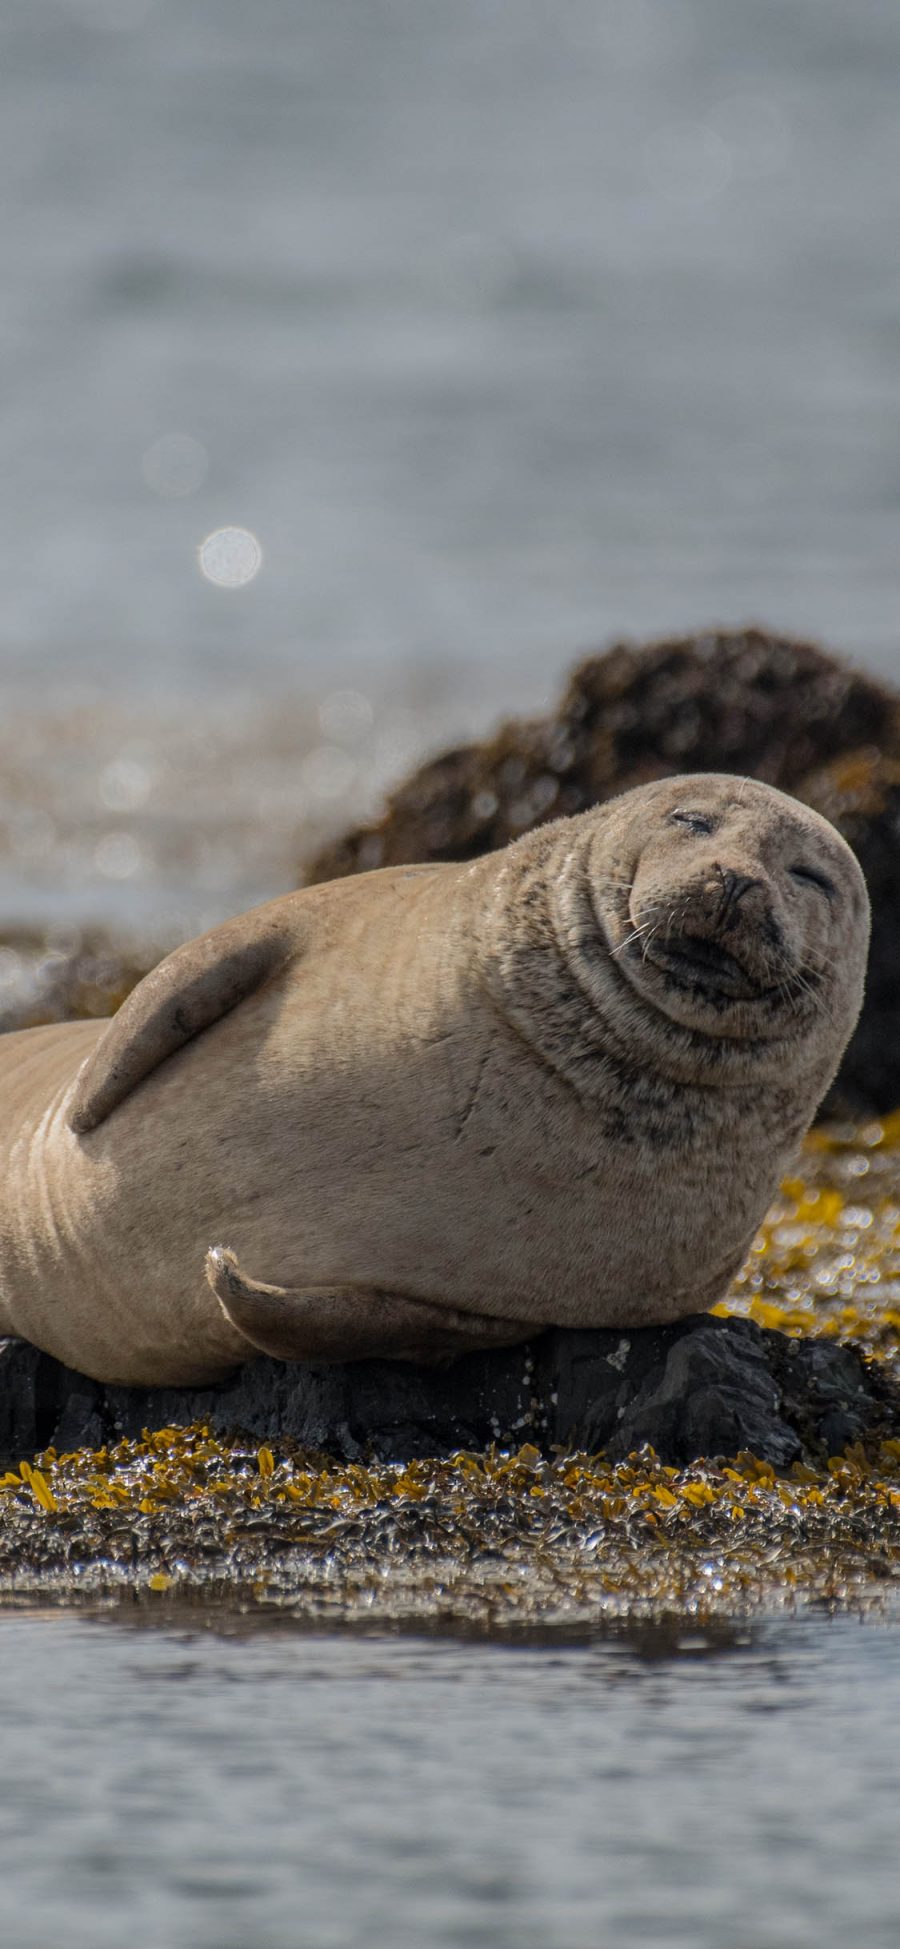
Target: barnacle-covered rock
x=747, y=701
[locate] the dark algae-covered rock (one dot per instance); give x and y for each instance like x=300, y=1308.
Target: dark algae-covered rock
x=703, y=1387
x=743, y=701
x=747, y=701
x=376, y=1496
x=860, y=794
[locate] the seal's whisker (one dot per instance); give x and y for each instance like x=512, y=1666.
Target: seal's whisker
x=793, y=982
x=654, y=930
x=631, y=937
x=807, y=988
x=827, y=964
x=783, y=960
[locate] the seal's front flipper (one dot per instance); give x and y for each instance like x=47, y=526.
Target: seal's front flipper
x=190, y=990
x=349, y=1323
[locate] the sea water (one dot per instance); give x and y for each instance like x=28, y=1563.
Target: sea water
x=733, y=1787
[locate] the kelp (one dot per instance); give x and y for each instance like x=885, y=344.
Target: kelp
x=827, y=1260
x=490, y=1538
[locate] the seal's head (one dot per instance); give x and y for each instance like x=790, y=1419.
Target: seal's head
x=732, y=910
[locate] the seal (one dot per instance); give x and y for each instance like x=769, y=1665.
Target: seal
x=442, y=1107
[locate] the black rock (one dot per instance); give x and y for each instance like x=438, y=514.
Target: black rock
x=739, y=700
x=705, y=1386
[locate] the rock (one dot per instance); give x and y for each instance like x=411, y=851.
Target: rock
x=729, y=700
x=746, y=701
x=704, y=1392
x=89, y=978
x=861, y=795
x=705, y=1386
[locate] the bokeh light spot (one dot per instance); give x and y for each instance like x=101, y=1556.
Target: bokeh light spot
x=230, y=557
x=118, y=856
x=124, y=784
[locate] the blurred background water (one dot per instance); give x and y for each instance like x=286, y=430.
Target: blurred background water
x=491, y=330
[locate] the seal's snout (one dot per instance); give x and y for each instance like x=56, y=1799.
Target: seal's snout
x=717, y=933
x=726, y=890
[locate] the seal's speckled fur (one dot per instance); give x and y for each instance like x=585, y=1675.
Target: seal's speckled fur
x=440, y=1107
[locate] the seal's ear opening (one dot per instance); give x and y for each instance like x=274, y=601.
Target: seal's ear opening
x=189, y=991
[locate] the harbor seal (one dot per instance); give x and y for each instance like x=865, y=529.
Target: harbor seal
x=440, y=1107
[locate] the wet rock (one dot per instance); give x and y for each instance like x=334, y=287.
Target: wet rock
x=861, y=795
x=88, y=978
x=31, y=1389
x=703, y=1387
x=747, y=701
x=700, y=1392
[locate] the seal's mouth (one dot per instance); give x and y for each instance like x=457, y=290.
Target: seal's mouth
x=694, y=961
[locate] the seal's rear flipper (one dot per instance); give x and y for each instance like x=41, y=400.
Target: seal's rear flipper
x=190, y=990
x=349, y=1323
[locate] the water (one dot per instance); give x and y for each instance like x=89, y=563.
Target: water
x=729, y=1790
x=502, y=328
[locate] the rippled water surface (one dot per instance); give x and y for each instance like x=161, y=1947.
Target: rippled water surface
x=208, y=1790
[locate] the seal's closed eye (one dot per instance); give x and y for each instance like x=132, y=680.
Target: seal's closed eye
x=701, y=823
x=810, y=876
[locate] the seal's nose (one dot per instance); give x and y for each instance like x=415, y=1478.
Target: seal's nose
x=730, y=888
